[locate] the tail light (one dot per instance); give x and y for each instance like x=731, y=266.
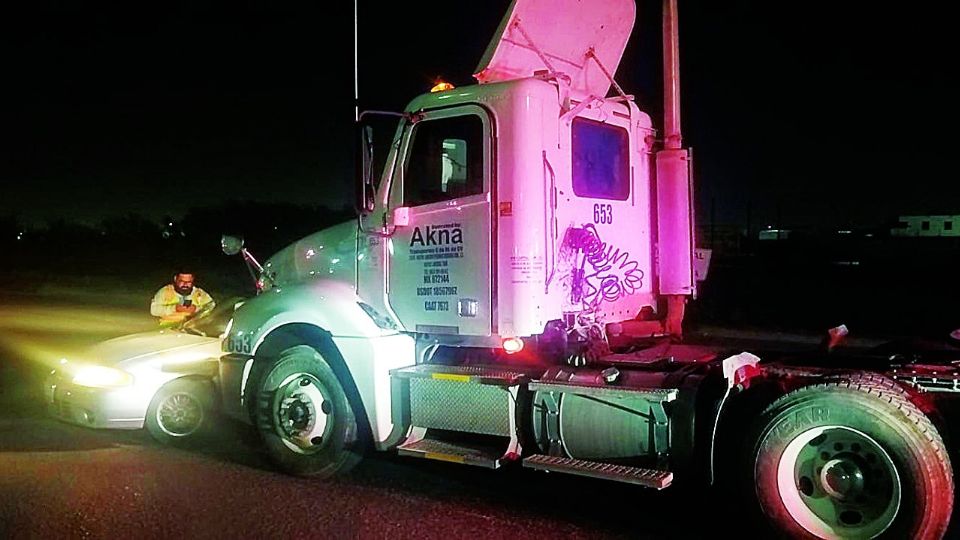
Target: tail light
x=512, y=345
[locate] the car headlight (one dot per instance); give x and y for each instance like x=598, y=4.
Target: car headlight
x=102, y=377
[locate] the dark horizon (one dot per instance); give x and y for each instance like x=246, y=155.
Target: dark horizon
x=800, y=116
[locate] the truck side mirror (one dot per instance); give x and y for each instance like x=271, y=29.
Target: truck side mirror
x=231, y=245
x=365, y=193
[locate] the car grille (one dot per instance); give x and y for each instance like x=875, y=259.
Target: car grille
x=61, y=407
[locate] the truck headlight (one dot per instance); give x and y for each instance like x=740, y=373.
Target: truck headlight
x=102, y=377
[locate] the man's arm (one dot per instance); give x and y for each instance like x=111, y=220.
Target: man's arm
x=203, y=300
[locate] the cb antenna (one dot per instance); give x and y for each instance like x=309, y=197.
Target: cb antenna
x=356, y=68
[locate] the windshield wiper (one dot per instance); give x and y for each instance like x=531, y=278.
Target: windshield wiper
x=192, y=331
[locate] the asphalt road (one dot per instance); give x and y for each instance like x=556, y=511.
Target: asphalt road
x=62, y=481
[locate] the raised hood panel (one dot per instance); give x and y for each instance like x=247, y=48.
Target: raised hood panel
x=564, y=31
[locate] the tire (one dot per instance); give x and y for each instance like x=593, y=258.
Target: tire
x=304, y=417
x=181, y=412
x=851, y=458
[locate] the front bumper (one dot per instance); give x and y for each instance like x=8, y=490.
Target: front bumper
x=234, y=371
x=104, y=408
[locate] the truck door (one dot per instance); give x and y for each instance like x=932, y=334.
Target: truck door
x=439, y=263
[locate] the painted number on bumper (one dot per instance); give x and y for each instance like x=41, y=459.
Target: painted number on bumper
x=239, y=344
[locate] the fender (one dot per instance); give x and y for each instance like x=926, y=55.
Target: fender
x=331, y=305
x=776, y=378
x=332, y=308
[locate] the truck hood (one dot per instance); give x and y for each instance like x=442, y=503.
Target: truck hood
x=329, y=254
x=147, y=346
x=564, y=32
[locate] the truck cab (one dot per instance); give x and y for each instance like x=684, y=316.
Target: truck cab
x=502, y=210
x=513, y=291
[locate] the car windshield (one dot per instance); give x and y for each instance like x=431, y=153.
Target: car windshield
x=214, y=323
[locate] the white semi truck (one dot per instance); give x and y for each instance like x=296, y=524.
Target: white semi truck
x=512, y=293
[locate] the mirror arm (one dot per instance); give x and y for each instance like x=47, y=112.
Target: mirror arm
x=251, y=260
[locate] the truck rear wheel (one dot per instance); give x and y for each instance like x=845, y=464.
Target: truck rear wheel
x=304, y=416
x=852, y=458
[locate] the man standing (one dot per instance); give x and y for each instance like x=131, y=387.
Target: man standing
x=179, y=300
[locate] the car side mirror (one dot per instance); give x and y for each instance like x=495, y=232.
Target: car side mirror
x=231, y=245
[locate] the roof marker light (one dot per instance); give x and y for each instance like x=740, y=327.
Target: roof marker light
x=441, y=86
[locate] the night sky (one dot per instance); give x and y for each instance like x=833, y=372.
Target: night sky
x=807, y=111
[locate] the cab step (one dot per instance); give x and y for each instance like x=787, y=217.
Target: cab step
x=651, y=478
x=452, y=453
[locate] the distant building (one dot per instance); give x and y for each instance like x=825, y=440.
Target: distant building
x=721, y=238
x=774, y=234
x=928, y=226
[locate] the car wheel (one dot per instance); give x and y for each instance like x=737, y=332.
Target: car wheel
x=852, y=458
x=304, y=416
x=180, y=412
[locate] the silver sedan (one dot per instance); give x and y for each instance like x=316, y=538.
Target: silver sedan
x=162, y=380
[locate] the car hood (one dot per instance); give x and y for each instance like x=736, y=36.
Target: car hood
x=161, y=345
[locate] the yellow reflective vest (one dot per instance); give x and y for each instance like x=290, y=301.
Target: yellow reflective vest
x=165, y=302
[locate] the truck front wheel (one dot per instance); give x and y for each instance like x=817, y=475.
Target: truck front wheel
x=304, y=416
x=852, y=458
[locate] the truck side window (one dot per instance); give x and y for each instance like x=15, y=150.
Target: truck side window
x=446, y=160
x=601, y=160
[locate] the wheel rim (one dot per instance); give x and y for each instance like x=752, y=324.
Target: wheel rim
x=303, y=413
x=180, y=414
x=837, y=482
